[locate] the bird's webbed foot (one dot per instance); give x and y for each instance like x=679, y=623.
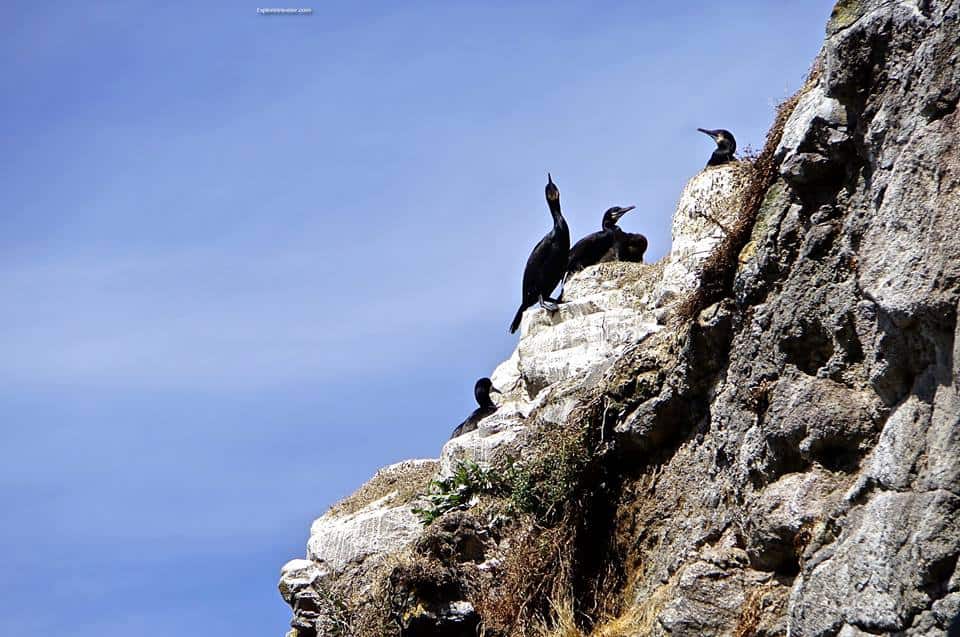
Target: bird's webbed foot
x=550, y=305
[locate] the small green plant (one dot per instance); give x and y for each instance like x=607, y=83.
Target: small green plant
x=468, y=479
x=542, y=485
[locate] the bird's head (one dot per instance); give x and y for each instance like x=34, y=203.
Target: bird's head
x=552, y=192
x=724, y=139
x=482, y=389
x=612, y=215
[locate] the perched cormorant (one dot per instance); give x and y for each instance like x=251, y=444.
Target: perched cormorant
x=599, y=246
x=631, y=246
x=547, y=262
x=481, y=392
x=726, y=146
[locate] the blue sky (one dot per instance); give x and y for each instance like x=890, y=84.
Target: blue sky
x=246, y=260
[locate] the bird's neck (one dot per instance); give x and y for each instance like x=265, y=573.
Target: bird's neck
x=484, y=400
x=720, y=156
x=558, y=221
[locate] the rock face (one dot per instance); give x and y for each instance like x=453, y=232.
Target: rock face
x=709, y=205
x=784, y=460
x=377, y=523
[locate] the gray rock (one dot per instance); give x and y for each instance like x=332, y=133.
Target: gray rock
x=781, y=512
x=709, y=594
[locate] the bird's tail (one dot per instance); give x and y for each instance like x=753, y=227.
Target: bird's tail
x=563, y=285
x=517, y=319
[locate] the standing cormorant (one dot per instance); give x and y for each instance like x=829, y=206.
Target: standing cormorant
x=599, y=246
x=726, y=146
x=547, y=262
x=481, y=392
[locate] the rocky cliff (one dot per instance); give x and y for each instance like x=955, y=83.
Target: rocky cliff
x=758, y=435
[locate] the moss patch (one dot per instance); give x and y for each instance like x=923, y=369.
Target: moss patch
x=844, y=13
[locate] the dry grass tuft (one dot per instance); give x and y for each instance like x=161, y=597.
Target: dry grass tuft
x=535, y=568
x=562, y=622
x=407, y=479
x=639, y=619
x=760, y=601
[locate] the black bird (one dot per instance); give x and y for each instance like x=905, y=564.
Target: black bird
x=481, y=392
x=726, y=146
x=631, y=246
x=547, y=262
x=599, y=246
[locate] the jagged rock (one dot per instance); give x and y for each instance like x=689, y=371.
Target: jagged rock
x=316, y=611
x=710, y=593
x=338, y=541
x=708, y=206
x=815, y=146
x=814, y=112
x=297, y=575
x=891, y=556
x=603, y=312
x=386, y=524
x=819, y=420
x=782, y=511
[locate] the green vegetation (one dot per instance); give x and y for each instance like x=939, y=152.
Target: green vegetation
x=468, y=479
x=543, y=485
x=539, y=486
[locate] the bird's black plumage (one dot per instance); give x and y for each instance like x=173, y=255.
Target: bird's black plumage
x=599, y=246
x=481, y=391
x=631, y=246
x=726, y=146
x=547, y=262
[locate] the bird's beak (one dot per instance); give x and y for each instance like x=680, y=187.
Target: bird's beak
x=494, y=389
x=711, y=133
x=549, y=179
x=625, y=211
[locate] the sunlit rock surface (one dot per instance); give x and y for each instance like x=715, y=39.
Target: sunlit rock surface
x=708, y=206
x=385, y=523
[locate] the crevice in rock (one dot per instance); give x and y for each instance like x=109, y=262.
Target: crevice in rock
x=936, y=579
x=838, y=457
x=598, y=569
x=845, y=335
x=809, y=347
